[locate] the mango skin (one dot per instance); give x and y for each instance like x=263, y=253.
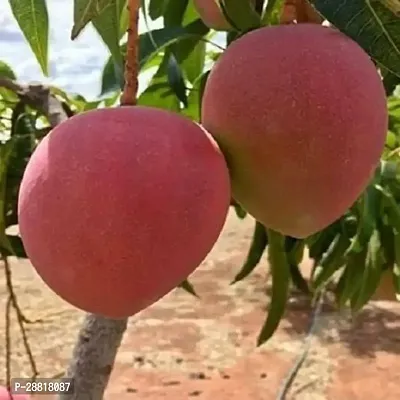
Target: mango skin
x=300, y=114
x=5, y=395
x=212, y=15
x=118, y=206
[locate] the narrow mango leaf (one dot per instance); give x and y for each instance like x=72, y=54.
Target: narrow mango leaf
x=176, y=80
x=159, y=93
x=393, y=209
x=257, y=247
x=6, y=71
x=6, y=151
x=112, y=78
x=240, y=14
x=108, y=24
x=386, y=237
x=352, y=275
x=241, y=213
x=150, y=44
x=17, y=247
x=188, y=287
x=371, y=274
x=191, y=13
x=280, y=270
x=323, y=240
x=33, y=20
x=369, y=206
x=294, y=252
x=193, y=111
x=193, y=65
x=373, y=24
x=174, y=12
x=84, y=12
x=390, y=81
x=298, y=279
x=157, y=8
x=154, y=41
x=124, y=20
x=332, y=260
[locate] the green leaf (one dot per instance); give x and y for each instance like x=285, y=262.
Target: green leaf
x=193, y=111
x=193, y=65
x=298, y=279
x=369, y=206
x=154, y=41
x=390, y=81
x=295, y=252
x=188, y=287
x=6, y=71
x=351, y=278
x=108, y=24
x=174, y=12
x=159, y=93
x=386, y=237
x=332, y=260
x=322, y=241
x=6, y=151
x=240, y=14
x=257, y=247
x=17, y=247
x=280, y=270
x=124, y=20
x=157, y=8
x=33, y=20
x=175, y=80
x=112, y=78
x=373, y=24
x=241, y=213
x=273, y=12
x=84, y=12
x=150, y=45
x=371, y=274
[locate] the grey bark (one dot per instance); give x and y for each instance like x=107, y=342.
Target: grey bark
x=94, y=356
x=99, y=338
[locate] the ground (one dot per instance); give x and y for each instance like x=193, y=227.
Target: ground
x=186, y=348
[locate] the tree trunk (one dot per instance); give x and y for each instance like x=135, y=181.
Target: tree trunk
x=94, y=356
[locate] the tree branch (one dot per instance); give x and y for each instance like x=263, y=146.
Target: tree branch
x=94, y=356
x=38, y=97
x=131, y=65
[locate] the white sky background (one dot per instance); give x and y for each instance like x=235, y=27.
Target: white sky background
x=75, y=66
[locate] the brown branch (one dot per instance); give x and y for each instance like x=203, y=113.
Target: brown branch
x=132, y=49
x=38, y=97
